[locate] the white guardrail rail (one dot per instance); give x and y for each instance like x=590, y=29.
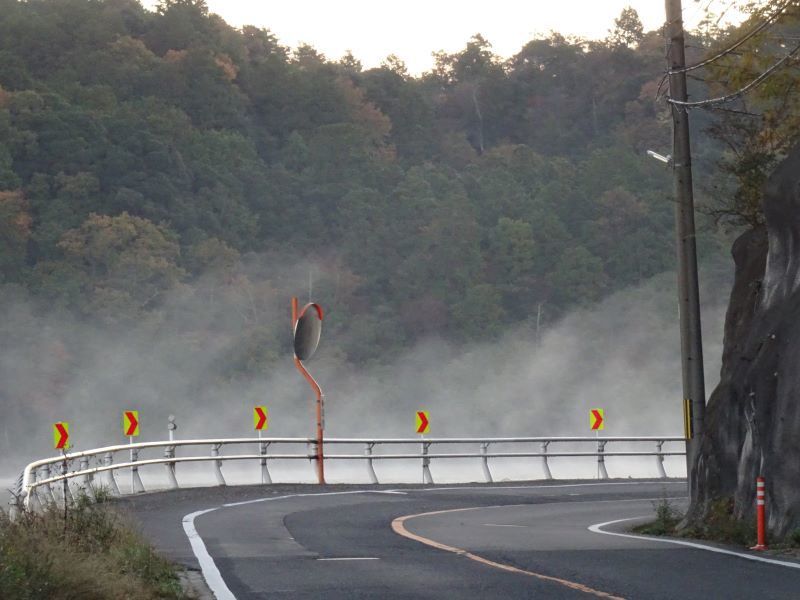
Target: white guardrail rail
x=33, y=487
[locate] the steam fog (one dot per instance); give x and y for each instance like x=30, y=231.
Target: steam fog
x=621, y=355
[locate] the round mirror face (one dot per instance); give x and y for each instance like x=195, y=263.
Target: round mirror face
x=307, y=331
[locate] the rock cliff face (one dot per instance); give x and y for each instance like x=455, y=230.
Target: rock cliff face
x=753, y=416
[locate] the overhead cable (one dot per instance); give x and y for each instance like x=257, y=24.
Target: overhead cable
x=755, y=31
x=741, y=91
x=770, y=20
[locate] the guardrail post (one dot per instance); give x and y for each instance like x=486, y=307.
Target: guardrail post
x=426, y=469
x=87, y=479
x=601, y=460
x=171, y=427
x=51, y=498
x=660, y=460
x=373, y=478
x=545, y=465
x=34, y=503
x=312, y=454
x=217, y=464
x=112, y=482
x=136, y=482
x=487, y=474
x=265, y=477
x=169, y=452
x=16, y=504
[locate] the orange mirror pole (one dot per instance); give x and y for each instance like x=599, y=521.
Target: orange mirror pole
x=320, y=410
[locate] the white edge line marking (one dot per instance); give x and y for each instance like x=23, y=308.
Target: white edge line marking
x=352, y=558
x=210, y=571
x=598, y=528
x=545, y=486
x=217, y=584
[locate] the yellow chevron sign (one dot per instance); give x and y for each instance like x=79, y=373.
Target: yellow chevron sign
x=596, y=419
x=130, y=423
x=61, y=435
x=423, y=424
x=260, y=419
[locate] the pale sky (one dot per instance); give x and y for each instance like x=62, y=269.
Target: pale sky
x=413, y=29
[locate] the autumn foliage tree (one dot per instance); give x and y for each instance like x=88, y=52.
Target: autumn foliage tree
x=146, y=155
x=125, y=263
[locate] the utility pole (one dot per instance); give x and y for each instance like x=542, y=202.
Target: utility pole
x=694, y=393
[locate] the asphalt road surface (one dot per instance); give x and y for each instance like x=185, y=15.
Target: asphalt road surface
x=489, y=541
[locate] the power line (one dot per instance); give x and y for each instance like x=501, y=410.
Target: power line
x=734, y=111
x=740, y=91
x=752, y=33
x=769, y=21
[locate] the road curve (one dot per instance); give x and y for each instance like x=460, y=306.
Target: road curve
x=500, y=541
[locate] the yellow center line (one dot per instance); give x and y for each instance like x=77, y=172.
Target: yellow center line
x=398, y=525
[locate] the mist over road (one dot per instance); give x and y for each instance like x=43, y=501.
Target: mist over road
x=528, y=540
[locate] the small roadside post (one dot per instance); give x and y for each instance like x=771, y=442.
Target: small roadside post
x=130, y=428
x=597, y=422
x=260, y=423
x=423, y=426
x=169, y=452
x=761, y=515
x=171, y=427
x=61, y=442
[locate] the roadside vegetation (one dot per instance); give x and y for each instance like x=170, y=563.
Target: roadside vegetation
x=666, y=521
x=720, y=525
x=89, y=552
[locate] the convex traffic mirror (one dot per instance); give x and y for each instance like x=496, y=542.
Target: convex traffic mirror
x=307, y=331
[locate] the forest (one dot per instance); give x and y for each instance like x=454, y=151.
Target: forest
x=163, y=171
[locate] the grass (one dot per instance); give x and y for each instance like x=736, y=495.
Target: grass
x=719, y=524
x=794, y=538
x=667, y=519
x=92, y=554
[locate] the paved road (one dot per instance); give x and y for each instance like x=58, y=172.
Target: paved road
x=500, y=541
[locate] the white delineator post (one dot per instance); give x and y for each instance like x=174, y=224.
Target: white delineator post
x=262, y=449
x=597, y=437
x=373, y=478
x=169, y=452
x=133, y=469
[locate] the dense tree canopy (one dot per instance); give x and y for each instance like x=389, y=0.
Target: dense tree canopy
x=148, y=155
x=759, y=127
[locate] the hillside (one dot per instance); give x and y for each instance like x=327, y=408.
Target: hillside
x=168, y=181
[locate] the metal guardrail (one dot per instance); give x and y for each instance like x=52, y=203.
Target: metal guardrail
x=34, y=485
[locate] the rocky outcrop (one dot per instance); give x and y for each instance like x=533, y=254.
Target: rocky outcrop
x=753, y=416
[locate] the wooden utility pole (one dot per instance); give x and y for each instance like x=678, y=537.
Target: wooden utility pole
x=688, y=289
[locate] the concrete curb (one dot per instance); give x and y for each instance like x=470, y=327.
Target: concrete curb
x=194, y=586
